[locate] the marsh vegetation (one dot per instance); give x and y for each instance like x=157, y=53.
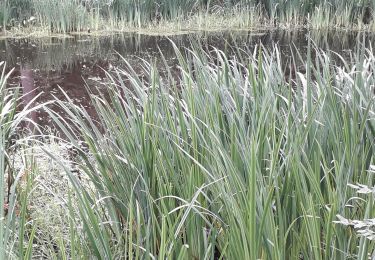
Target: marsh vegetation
x=85, y=16
x=229, y=160
x=225, y=145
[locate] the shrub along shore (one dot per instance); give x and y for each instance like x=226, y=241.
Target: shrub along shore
x=87, y=16
x=231, y=160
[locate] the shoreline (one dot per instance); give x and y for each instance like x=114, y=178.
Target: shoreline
x=39, y=34
x=211, y=23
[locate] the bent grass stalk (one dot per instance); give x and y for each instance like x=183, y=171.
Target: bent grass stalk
x=16, y=232
x=230, y=163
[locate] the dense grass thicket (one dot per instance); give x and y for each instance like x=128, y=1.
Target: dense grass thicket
x=229, y=158
x=16, y=234
x=81, y=15
x=229, y=161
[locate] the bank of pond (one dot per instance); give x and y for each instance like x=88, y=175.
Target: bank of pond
x=26, y=17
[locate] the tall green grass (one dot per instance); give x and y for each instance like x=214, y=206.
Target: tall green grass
x=83, y=15
x=16, y=179
x=231, y=160
x=4, y=13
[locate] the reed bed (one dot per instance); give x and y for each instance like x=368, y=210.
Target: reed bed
x=17, y=232
x=230, y=158
x=65, y=16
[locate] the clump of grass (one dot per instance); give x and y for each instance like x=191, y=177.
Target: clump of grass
x=33, y=195
x=61, y=16
x=16, y=232
x=231, y=159
x=50, y=205
x=86, y=15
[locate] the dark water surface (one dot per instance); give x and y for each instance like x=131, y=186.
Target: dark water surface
x=42, y=66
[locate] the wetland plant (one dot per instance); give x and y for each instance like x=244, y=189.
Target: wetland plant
x=17, y=232
x=83, y=15
x=230, y=160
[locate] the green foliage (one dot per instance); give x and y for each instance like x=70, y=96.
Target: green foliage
x=61, y=16
x=16, y=236
x=78, y=15
x=233, y=159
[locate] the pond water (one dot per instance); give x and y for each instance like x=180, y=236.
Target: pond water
x=43, y=66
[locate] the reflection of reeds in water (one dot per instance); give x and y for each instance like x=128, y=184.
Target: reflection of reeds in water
x=56, y=53
x=61, y=53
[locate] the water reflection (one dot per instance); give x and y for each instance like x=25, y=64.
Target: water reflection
x=44, y=65
x=29, y=91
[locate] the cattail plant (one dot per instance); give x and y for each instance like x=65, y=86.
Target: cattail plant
x=229, y=159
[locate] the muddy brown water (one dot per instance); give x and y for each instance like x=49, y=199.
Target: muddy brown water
x=43, y=66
